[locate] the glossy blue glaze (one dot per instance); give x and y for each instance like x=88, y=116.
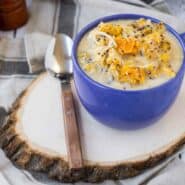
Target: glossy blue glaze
x=124, y=109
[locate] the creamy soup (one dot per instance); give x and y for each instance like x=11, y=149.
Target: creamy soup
x=130, y=54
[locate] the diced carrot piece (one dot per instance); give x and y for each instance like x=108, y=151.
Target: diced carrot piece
x=126, y=45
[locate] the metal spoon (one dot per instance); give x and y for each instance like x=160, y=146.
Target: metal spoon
x=58, y=62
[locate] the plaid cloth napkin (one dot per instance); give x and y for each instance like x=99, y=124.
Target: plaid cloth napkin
x=21, y=60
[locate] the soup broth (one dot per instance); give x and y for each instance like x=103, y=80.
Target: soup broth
x=130, y=54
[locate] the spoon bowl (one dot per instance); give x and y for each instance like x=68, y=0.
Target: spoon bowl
x=59, y=50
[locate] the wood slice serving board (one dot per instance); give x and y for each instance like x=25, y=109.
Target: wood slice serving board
x=34, y=138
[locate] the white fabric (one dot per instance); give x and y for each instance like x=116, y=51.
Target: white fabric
x=35, y=55
x=176, y=8
x=105, y=7
x=173, y=174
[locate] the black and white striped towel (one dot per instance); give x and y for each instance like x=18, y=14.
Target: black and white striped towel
x=21, y=59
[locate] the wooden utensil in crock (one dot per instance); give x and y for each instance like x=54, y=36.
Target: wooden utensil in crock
x=13, y=14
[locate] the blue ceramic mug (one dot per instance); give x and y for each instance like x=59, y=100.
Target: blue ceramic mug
x=124, y=109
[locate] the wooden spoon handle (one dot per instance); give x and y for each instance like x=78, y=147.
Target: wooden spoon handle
x=71, y=129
